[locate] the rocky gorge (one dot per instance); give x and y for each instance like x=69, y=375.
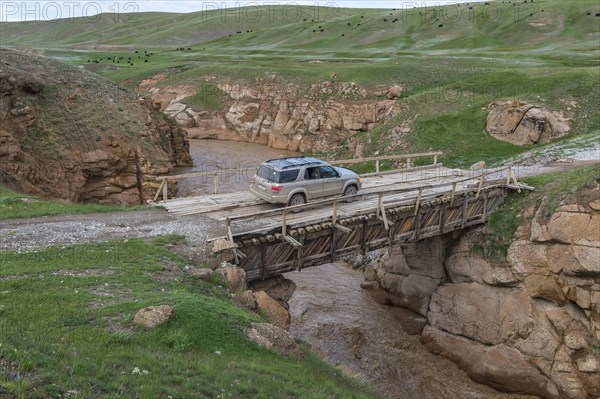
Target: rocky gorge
x=281, y=115
x=528, y=323
x=69, y=134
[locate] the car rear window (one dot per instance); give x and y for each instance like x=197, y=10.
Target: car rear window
x=273, y=176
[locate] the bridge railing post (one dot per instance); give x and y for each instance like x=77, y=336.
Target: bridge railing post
x=165, y=191
x=334, y=215
x=216, y=183
x=283, y=222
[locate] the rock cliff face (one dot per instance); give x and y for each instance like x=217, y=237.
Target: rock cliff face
x=521, y=123
x=529, y=323
x=66, y=133
x=281, y=115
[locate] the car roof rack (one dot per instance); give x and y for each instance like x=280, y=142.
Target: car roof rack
x=291, y=162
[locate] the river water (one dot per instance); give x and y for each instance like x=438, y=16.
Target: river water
x=213, y=155
x=347, y=327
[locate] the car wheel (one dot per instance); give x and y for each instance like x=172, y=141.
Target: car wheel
x=350, y=190
x=297, y=199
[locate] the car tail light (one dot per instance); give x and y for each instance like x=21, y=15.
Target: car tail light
x=276, y=188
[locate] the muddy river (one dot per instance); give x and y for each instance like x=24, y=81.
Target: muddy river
x=347, y=327
x=214, y=155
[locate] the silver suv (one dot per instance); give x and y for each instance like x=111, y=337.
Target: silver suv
x=294, y=181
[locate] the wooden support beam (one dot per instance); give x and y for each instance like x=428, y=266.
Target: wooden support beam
x=343, y=228
x=418, y=201
x=453, y=194
x=334, y=215
x=165, y=191
x=383, y=217
x=332, y=245
x=263, y=266
x=442, y=217
x=485, y=205
x=479, y=186
x=162, y=183
x=292, y=241
x=377, y=166
x=215, y=184
x=300, y=254
x=363, y=237
x=464, y=211
x=515, y=182
x=417, y=226
x=435, y=159
x=230, y=238
x=283, y=222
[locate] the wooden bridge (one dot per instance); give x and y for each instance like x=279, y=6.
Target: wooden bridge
x=275, y=241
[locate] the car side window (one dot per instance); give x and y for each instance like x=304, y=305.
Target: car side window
x=289, y=176
x=328, y=171
x=312, y=173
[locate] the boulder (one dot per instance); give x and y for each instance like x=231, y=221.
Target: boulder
x=153, y=316
x=275, y=312
x=235, y=277
x=413, y=292
x=184, y=120
x=500, y=276
x=481, y=313
x=580, y=228
x=279, y=288
x=393, y=92
x=498, y=366
x=467, y=267
x=202, y=274
x=246, y=299
x=521, y=123
x=275, y=338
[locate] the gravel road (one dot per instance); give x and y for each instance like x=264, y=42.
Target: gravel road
x=23, y=234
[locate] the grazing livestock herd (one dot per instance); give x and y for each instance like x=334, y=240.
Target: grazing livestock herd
x=147, y=55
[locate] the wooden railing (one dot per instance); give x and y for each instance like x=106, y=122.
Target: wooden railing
x=408, y=157
x=216, y=173
x=163, y=187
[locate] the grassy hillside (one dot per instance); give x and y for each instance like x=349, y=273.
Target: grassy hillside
x=453, y=61
x=67, y=331
x=554, y=187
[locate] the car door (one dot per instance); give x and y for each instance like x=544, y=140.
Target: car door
x=312, y=183
x=332, y=184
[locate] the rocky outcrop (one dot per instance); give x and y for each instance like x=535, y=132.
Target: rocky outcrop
x=67, y=133
x=527, y=324
x=279, y=114
x=521, y=123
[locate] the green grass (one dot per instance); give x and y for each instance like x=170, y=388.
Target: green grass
x=14, y=205
x=66, y=323
x=208, y=96
x=555, y=187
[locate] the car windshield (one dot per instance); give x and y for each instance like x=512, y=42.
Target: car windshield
x=273, y=176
